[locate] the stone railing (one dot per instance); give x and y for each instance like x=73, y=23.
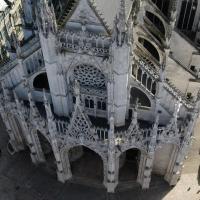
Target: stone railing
x=178, y=94
x=26, y=50
x=147, y=66
x=62, y=127
x=8, y=66
x=83, y=42
x=150, y=68
x=134, y=138
x=30, y=47
x=102, y=133
x=168, y=136
x=146, y=56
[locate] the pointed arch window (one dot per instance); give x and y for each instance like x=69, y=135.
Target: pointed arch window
x=150, y=48
x=156, y=21
x=141, y=97
x=163, y=5
x=187, y=14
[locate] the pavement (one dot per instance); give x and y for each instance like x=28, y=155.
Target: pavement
x=21, y=180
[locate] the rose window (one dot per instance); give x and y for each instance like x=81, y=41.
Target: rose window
x=89, y=76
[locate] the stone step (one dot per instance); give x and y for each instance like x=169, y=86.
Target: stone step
x=128, y=185
x=87, y=182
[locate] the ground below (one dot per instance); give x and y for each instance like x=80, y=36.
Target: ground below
x=21, y=180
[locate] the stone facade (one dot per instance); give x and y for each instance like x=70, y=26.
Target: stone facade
x=95, y=74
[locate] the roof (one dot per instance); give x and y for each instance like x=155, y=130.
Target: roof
x=109, y=9
x=106, y=10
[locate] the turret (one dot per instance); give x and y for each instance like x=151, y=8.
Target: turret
x=121, y=49
x=46, y=19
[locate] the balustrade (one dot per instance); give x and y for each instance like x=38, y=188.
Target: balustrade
x=84, y=41
x=144, y=77
x=34, y=62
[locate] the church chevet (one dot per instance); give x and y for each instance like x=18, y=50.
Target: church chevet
x=101, y=91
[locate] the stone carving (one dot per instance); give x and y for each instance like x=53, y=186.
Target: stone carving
x=89, y=76
x=86, y=108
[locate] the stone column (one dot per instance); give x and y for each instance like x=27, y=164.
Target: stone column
x=105, y=167
x=147, y=159
x=55, y=72
x=6, y=108
x=37, y=154
x=112, y=169
x=30, y=134
x=17, y=132
x=173, y=170
x=16, y=145
x=179, y=153
x=121, y=64
x=63, y=165
x=145, y=169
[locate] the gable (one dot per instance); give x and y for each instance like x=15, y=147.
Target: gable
x=109, y=9
x=85, y=13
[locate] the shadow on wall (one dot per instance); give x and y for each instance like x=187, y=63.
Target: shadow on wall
x=198, y=176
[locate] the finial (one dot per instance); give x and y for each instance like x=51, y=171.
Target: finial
x=47, y=106
x=122, y=13
x=157, y=118
x=45, y=97
x=178, y=105
x=77, y=92
x=120, y=25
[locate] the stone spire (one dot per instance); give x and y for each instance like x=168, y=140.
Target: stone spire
x=172, y=126
x=173, y=11
x=50, y=117
x=135, y=113
x=77, y=92
x=135, y=10
x=34, y=110
x=47, y=107
x=6, y=92
x=111, y=175
x=46, y=18
x=153, y=140
x=18, y=103
x=120, y=33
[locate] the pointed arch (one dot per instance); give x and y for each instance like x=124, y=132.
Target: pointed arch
x=150, y=48
x=156, y=21
x=129, y=165
x=144, y=101
x=41, y=82
x=163, y=5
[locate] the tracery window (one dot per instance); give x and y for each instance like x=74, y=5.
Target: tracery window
x=156, y=21
x=89, y=103
x=163, y=5
x=187, y=14
x=89, y=76
x=101, y=105
x=141, y=97
x=150, y=48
